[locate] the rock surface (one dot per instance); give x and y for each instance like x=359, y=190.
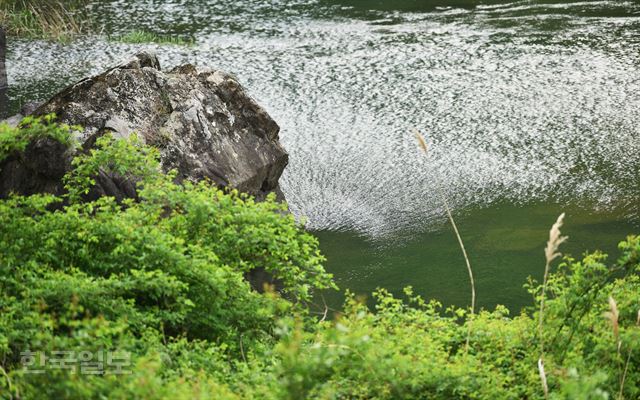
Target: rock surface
x=202, y=121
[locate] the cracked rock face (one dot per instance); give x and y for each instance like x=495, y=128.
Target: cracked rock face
x=202, y=121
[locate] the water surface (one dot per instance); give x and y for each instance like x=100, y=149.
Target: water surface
x=530, y=108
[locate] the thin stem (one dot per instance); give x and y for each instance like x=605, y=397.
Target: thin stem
x=469, y=270
x=423, y=146
x=541, y=314
x=551, y=253
x=624, y=376
x=8, y=380
x=543, y=376
x=326, y=309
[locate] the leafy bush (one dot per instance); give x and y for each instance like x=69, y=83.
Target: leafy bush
x=169, y=266
x=162, y=278
x=415, y=350
x=30, y=129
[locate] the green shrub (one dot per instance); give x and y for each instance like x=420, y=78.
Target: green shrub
x=161, y=279
x=30, y=129
x=169, y=266
x=415, y=350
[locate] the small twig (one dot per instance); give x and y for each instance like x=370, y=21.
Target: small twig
x=242, y=350
x=323, y=310
x=326, y=309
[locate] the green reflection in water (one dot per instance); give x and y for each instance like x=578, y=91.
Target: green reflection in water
x=505, y=244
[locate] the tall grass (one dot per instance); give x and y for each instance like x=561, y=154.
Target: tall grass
x=423, y=146
x=50, y=19
x=613, y=315
x=551, y=253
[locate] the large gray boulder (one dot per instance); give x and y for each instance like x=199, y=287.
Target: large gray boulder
x=202, y=121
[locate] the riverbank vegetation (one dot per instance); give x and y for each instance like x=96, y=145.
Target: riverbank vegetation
x=142, y=36
x=61, y=20
x=44, y=19
x=156, y=286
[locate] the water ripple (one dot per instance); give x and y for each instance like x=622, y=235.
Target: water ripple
x=518, y=101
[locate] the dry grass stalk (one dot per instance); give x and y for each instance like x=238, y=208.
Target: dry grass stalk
x=421, y=141
x=543, y=378
x=423, y=146
x=613, y=315
x=551, y=253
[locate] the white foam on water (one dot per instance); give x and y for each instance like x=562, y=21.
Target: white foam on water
x=515, y=106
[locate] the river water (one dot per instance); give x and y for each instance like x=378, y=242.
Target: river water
x=529, y=108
